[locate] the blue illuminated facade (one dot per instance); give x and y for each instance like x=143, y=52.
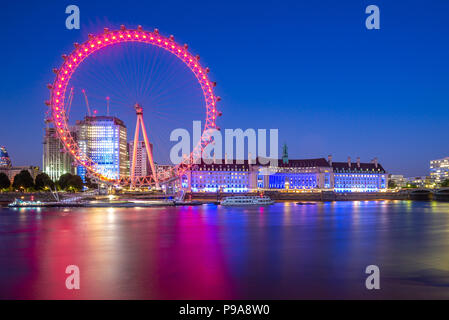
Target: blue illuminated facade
x=103, y=140
x=359, y=177
x=229, y=178
x=296, y=175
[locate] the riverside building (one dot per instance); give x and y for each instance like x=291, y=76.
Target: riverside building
x=290, y=175
x=103, y=139
x=439, y=170
x=55, y=161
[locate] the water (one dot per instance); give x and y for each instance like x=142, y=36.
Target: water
x=285, y=251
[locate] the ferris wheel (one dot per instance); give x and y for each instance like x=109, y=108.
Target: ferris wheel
x=61, y=97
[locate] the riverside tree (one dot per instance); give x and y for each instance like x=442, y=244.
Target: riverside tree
x=70, y=182
x=23, y=180
x=43, y=181
x=4, y=181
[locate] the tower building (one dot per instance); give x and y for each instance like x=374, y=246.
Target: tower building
x=55, y=161
x=143, y=167
x=103, y=140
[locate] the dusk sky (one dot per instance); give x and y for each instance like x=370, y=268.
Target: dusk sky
x=309, y=68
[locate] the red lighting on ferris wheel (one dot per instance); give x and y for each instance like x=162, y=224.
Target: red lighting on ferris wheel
x=108, y=38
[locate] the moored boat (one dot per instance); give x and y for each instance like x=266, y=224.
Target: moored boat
x=246, y=201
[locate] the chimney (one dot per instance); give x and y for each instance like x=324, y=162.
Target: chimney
x=375, y=162
x=349, y=162
x=358, y=162
x=329, y=159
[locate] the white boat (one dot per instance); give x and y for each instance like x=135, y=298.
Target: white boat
x=246, y=201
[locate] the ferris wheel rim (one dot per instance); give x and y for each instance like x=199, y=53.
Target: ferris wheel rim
x=96, y=43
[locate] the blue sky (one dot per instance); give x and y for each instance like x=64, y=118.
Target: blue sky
x=309, y=68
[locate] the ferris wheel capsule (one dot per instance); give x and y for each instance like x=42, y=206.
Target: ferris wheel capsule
x=49, y=86
x=156, y=31
x=172, y=37
x=186, y=46
x=47, y=103
x=106, y=30
x=55, y=70
x=218, y=98
x=214, y=83
x=197, y=57
x=219, y=113
x=64, y=56
x=122, y=27
x=139, y=27
x=76, y=45
x=91, y=36
x=207, y=69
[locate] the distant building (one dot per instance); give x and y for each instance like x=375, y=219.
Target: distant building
x=143, y=167
x=55, y=161
x=358, y=176
x=420, y=182
x=12, y=171
x=398, y=179
x=5, y=161
x=439, y=170
x=7, y=168
x=103, y=139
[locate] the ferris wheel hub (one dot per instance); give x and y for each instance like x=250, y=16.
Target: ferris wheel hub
x=139, y=109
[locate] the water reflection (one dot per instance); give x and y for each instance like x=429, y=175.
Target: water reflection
x=208, y=252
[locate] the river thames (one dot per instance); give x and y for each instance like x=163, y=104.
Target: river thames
x=285, y=251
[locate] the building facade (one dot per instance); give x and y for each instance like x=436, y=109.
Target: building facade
x=439, y=170
x=398, y=179
x=5, y=161
x=143, y=167
x=296, y=175
x=103, y=139
x=226, y=177
x=359, y=177
x=55, y=161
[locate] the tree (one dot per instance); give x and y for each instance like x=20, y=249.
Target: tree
x=23, y=180
x=4, y=181
x=70, y=182
x=391, y=184
x=75, y=183
x=445, y=183
x=90, y=184
x=43, y=180
x=63, y=181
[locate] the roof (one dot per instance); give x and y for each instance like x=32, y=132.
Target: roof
x=96, y=119
x=364, y=166
x=304, y=163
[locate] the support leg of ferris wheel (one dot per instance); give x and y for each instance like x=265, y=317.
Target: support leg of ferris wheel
x=139, y=113
x=133, y=164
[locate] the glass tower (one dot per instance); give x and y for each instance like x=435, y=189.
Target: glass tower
x=103, y=140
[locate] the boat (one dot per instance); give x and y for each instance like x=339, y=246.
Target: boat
x=246, y=201
x=21, y=203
